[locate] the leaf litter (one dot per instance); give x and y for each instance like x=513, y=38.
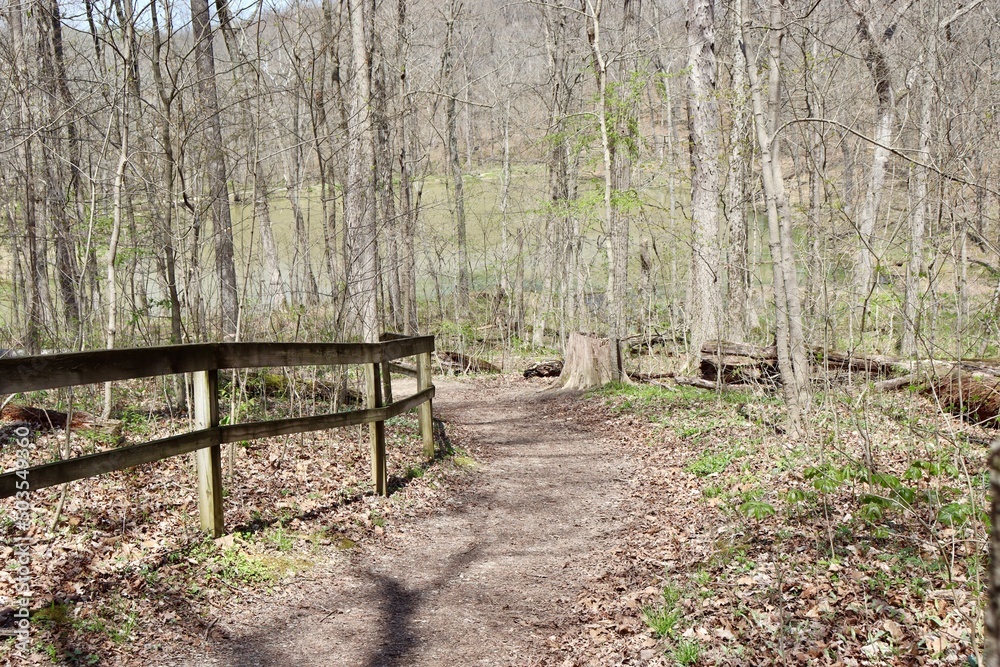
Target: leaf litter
x=862, y=545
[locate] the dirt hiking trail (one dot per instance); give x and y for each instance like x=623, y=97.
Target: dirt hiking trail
x=482, y=581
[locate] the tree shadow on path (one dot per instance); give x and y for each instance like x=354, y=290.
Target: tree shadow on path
x=400, y=639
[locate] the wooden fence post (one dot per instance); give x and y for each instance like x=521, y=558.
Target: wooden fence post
x=376, y=430
x=426, y=413
x=386, y=383
x=209, y=459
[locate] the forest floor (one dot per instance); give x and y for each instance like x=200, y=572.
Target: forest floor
x=638, y=525
x=484, y=579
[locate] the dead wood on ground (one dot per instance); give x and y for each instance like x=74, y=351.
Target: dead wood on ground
x=649, y=377
x=738, y=363
x=973, y=397
x=544, y=369
x=43, y=420
x=642, y=343
x=457, y=362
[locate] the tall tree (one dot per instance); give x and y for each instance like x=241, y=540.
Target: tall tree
x=626, y=149
x=453, y=9
x=556, y=218
x=789, y=336
x=705, y=125
x=919, y=204
x=407, y=149
x=737, y=193
x=387, y=223
x=872, y=43
x=24, y=87
x=164, y=207
x=593, y=10
x=359, y=214
x=215, y=169
x=60, y=143
x=248, y=81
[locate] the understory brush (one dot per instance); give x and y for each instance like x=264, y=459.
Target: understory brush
x=863, y=543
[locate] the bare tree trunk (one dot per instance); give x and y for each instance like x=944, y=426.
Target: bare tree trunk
x=919, y=203
x=505, y=284
x=215, y=169
x=705, y=125
x=112, y=255
x=166, y=228
x=359, y=214
x=119, y=202
x=302, y=260
x=335, y=124
x=991, y=648
x=740, y=135
x=452, y=11
x=262, y=213
x=60, y=182
x=813, y=135
x=554, y=22
x=275, y=294
x=616, y=285
x=790, y=346
x=24, y=87
x=626, y=141
x=407, y=150
x=387, y=224
x=878, y=65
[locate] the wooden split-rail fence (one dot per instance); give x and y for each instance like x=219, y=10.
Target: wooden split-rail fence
x=204, y=361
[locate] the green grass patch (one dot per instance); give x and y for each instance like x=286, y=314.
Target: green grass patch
x=711, y=463
x=662, y=620
x=686, y=653
x=465, y=462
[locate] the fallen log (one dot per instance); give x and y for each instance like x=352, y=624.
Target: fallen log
x=701, y=383
x=649, y=377
x=43, y=420
x=726, y=348
x=738, y=363
x=460, y=363
x=898, y=383
x=967, y=388
x=642, y=343
x=973, y=397
x=872, y=365
x=544, y=369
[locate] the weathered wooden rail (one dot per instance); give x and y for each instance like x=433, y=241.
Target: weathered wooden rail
x=204, y=361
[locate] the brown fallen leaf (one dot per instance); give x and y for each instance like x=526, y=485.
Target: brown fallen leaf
x=894, y=629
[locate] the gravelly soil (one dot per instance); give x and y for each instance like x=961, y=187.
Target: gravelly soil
x=481, y=582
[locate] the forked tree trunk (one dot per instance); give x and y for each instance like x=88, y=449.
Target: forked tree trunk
x=590, y=362
x=788, y=317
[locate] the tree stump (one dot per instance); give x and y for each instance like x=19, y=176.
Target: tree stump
x=590, y=362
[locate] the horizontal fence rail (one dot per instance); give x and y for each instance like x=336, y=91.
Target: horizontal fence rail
x=204, y=361
x=52, y=371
